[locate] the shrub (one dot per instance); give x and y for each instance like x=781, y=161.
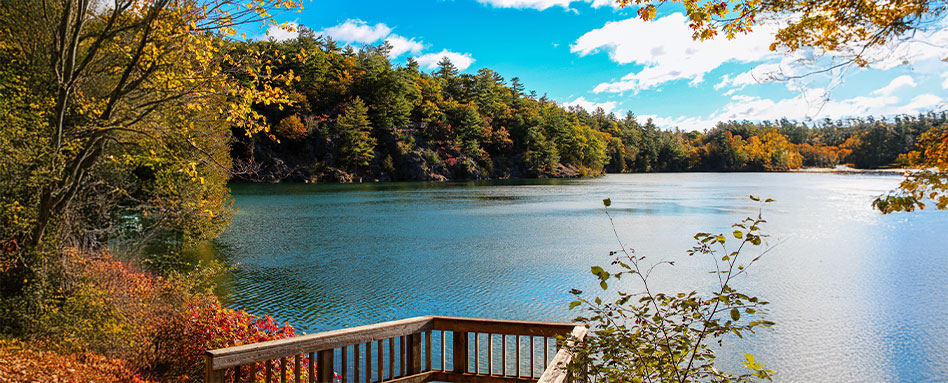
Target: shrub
x=207, y=325
x=651, y=336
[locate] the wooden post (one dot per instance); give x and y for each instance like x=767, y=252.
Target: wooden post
x=324, y=366
x=211, y=375
x=460, y=352
x=414, y=354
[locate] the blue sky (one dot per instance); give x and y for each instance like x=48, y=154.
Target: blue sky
x=594, y=54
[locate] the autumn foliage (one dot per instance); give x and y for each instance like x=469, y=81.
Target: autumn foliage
x=118, y=322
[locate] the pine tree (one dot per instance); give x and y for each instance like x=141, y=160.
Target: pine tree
x=354, y=132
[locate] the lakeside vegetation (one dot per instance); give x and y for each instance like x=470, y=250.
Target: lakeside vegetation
x=355, y=116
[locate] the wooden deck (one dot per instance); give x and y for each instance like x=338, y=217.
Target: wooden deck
x=422, y=349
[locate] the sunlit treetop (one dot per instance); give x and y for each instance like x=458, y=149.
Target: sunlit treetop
x=853, y=26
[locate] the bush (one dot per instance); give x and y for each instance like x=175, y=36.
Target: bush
x=206, y=325
x=651, y=336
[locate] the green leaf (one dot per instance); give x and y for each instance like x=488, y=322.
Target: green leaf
x=607, y=202
x=735, y=314
x=755, y=198
x=604, y=285
x=573, y=304
x=738, y=234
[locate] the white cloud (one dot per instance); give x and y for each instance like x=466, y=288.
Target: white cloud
x=546, y=4
x=922, y=103
x=808, y=104
x=357, y=31
x=590, y=106
x=401, y=45
x=674, y=56
x=283, y=32
x=430, y=61
x=895, y=84
x=760, y=74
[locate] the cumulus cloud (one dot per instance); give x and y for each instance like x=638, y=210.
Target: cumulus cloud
x=895, y=84
x=357, y=31
x=283, y=32
x=590, y=106
x=674, y=56
x=546, y=4
x=401, y=45
x=430, y=61
x=360, y=32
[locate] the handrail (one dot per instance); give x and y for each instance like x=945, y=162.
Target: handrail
x=312, y=357
x=556, y=372
x=274, y=349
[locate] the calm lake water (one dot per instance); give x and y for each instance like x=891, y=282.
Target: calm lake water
x=857, y=296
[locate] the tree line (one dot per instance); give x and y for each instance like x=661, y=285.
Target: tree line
x=356, y=116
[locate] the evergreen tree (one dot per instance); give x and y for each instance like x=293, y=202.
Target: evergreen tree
x=354, y=132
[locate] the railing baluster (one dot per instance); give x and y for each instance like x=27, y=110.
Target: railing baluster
x=546, y=349
x=391, y=358
x=296, y=369
x=345, y=364
x=312, y=368
x=324, y=366
x=477, y=353
x=518, y=355
x=490, y=354
x=356, y=355
x=368, y=362
x=444, y=359
x=460, y=352
x=253, y=372
x=381, y=363
x=533, y=371
x=414, y=354
x=283, y=370
x=503, y=354
x=269, y=372
x=428, y=364
x=402, y=355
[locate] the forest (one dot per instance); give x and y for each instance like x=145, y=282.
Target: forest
x=354, y=116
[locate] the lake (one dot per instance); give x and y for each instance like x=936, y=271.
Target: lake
x=857, y=295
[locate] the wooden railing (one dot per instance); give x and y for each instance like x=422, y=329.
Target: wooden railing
x=422, y=349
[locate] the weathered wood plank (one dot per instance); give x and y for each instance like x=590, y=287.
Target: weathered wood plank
x=458, y=324
x=245, y=354
x=555, y=373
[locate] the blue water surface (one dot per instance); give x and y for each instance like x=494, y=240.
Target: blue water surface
x=857, y=296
